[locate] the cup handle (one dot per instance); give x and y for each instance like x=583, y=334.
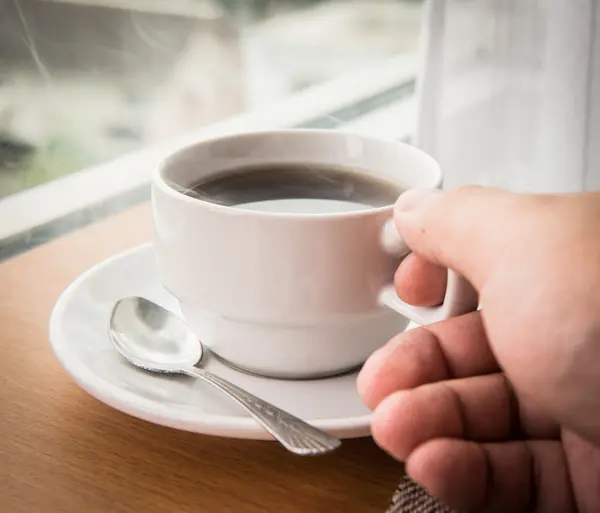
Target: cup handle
x=460, y=298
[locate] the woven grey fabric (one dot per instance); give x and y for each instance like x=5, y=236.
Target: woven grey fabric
x=412, y=498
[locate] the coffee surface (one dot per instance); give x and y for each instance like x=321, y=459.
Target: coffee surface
x=298, y=188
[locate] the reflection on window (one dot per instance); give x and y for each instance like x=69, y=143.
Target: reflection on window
x=83, y=81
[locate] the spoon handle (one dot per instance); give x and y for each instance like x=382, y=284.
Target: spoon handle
x=294, y=434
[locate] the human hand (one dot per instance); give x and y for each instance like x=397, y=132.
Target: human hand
x=497, y=410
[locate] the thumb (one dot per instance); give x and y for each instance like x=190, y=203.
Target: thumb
x=464, y=229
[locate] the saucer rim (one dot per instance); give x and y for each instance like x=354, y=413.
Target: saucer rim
x=150, y=410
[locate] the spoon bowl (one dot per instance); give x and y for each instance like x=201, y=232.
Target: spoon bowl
x=151, y=337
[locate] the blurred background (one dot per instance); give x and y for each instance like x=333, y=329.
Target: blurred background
x=85, y=81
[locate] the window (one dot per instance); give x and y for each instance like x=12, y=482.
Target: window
x=93, y=91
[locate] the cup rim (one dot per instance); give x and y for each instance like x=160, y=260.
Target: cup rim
x=160, y=182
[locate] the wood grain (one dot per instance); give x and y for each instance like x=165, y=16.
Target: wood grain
x=63, y=451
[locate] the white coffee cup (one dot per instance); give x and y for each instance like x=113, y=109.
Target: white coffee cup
x=291, y=295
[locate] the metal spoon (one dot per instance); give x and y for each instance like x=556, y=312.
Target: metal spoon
x=154, y=339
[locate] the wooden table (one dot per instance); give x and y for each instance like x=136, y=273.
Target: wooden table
x=63, y=451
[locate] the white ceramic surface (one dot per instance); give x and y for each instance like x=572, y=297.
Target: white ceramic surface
x=288, y=294
x=79, y=337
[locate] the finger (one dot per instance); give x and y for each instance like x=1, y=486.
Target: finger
x=455, y=348
x=464, y=229
x=419, y=282
x=481, y=408
x=514, y=476
x=584, y=467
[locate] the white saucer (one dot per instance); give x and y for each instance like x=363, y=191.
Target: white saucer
x=79, y=337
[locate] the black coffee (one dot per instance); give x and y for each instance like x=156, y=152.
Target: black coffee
x=296, y=188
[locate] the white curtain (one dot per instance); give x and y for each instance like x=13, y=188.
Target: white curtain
x=510, y=93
